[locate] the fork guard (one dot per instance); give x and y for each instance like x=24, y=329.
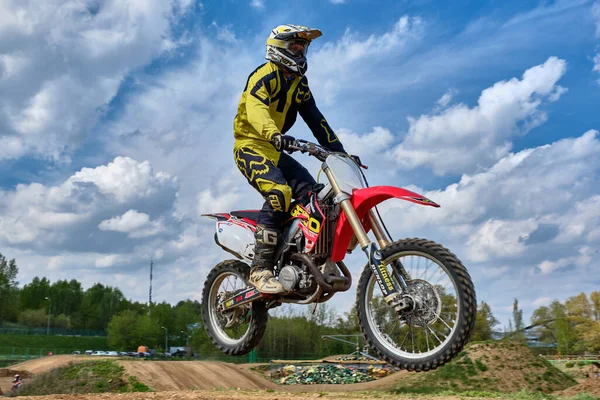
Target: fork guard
x=363, y=200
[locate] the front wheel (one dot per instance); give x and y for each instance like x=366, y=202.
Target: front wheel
x=236, y=331
x=442, y=318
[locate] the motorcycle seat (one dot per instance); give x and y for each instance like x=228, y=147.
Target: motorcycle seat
x=252, y=215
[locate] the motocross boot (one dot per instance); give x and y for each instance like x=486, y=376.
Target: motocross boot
x=261, y=273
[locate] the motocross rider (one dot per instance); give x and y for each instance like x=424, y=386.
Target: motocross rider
x=17, y=382
x=275, y=93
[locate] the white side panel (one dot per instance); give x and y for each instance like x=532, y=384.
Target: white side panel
x=236, y=238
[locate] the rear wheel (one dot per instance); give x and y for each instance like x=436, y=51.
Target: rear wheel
x=238, y=331
x=442, y=317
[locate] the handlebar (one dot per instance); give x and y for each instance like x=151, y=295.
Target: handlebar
x=319, y=152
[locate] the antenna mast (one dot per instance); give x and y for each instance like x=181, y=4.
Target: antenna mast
x=150, y=294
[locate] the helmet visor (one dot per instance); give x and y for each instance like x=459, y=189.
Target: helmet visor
x=297, y=48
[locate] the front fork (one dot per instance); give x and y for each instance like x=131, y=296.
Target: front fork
x=391, y=288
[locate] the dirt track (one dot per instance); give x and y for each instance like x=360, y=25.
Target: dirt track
x=38, y=366
x=234, y=395
x=179, y=375
x=222, y=381
x=186, y=375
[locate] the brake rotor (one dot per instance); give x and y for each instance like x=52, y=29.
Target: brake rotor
x=427, y=302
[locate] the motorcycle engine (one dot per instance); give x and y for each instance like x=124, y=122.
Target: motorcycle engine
x=295, y=278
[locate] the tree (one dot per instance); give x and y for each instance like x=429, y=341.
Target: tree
x=122, y=333
x=164, y=315
x=66, y=297
x=579, y=308
x=518, y=321
x=128, y=330
x=99, y=304
x=9, y=291
x=185, y=314
x=565, y=336
x=543, y=318
x=595, y=300
x=33, y=295
x=149, y=333
x=591, y=337
x=484, y=323
x=61, y=322
x=33, y=318
x=349, y=323
x=563, y=331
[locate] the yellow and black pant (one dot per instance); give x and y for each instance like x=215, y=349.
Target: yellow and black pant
x=278, y=180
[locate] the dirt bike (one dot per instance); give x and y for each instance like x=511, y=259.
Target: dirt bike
x=416, y=302
x=16, y=387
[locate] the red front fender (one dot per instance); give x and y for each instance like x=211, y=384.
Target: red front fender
x=363, y=200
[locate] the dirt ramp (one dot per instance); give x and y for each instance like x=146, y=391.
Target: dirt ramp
x=178, y=375
x=45, y=364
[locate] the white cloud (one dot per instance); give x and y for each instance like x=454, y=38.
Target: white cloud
x=353, y=57
x=542, y=301
x=463, y=139
x=128, y=222
x=446, y=98
x=497, y=239
x=580, y=261
x=257, y=3
x=351, y=48
x=533, y=216
x=366, y=144
x=135, y=224
x=86, y=49
x=67, y=216
x=224, y=33
x=125, y=179
x=337, y=1
x=11, y=64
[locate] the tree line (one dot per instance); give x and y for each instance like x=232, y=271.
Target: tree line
x=292, y=332
x=574, y=324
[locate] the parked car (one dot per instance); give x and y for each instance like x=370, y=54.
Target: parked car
x=180, y=353
x=99, y=353
x=76, y=353
x=123, y=353
x=89, y=352
x=112, y=354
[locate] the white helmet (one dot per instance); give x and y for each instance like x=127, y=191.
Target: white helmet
x=287, y=46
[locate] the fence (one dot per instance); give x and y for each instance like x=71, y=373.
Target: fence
x=18, y=354
x=11, y=330
x=28, y=353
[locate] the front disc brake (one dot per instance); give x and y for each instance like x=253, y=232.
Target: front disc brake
x=427, y=302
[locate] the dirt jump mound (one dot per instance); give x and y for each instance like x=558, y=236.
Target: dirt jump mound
x=179, y=375
x=494, y=366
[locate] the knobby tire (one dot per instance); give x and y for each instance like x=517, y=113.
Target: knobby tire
x=466, y=296
x=260, y=314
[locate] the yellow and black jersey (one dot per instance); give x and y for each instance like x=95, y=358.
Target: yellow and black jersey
x=270, y=104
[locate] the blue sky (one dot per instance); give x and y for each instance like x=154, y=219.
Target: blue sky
x=116, y=117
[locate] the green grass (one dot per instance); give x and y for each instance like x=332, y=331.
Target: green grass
x=7, y=363
x=470, y=374
x=480, y=365
x=91, y=377
x=51, y=343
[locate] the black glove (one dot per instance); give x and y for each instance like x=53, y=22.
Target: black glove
x=283, y=142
